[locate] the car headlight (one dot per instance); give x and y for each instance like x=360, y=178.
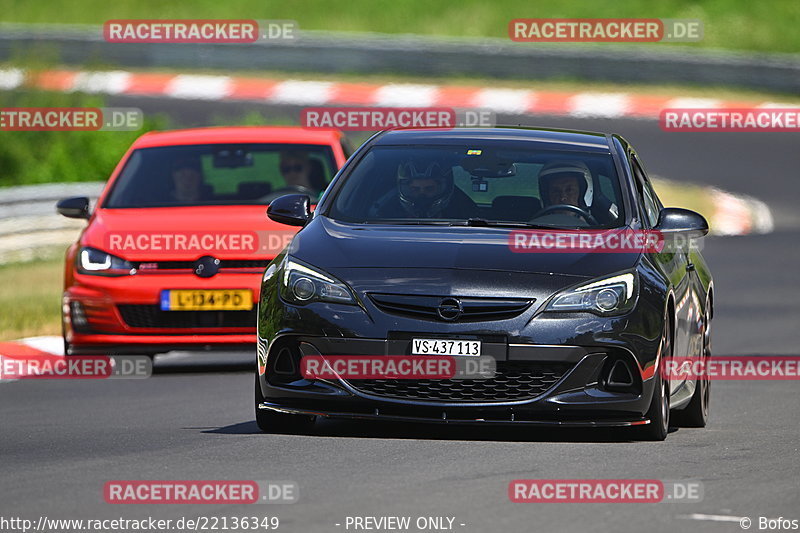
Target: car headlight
x=97, y=262
x=608, y=296
x=302, y=284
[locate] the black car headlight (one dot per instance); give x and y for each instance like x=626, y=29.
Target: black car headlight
x=607, y=296
x=99, y=263
x=302, y=284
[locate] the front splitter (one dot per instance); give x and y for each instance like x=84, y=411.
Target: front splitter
x=377, y=415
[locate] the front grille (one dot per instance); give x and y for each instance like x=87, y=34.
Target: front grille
x=189, y=265
x=474, y=309
x=151, y=316
x=514, y=381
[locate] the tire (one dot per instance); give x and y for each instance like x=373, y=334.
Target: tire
x=272, y=422
x=695, y=414
x=658, y=412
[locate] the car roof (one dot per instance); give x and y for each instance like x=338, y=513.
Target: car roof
x=238, y=134
x=546, y=137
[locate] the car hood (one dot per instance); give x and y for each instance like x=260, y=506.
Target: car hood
x=332, y=245
x=267, y=238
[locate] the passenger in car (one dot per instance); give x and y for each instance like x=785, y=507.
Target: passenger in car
x=295, y=168
x=425, y=191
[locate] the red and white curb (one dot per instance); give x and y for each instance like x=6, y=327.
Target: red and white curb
x=46, y=346
x=739, y=215
x=733, y=214
x=313, y=93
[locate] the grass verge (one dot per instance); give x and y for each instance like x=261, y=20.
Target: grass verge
x=29, y=157
x=30, y=295
x=728, y=24
x=695, y=197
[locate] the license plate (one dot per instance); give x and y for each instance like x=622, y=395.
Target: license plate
x=445, y=347
x=207, y=300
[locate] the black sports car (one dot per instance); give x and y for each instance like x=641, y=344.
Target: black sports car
x=414, y=240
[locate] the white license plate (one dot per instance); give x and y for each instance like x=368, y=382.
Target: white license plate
x=445, y=347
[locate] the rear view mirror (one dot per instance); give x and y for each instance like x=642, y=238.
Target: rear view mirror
x=75, y=207
x=232, y=158
x=488, y=166
x=291, y=209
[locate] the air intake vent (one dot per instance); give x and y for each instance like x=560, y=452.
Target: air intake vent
x=432, y=307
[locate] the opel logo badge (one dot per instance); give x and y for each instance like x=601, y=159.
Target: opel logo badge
x=450, y=309
x=206, y=266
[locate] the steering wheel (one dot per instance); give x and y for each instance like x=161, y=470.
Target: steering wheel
x=291, y=189
x=567, y=207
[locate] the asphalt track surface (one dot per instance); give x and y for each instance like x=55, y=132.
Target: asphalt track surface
x=60, y=441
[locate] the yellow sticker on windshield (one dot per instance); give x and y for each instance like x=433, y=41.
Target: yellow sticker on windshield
x=474, y=152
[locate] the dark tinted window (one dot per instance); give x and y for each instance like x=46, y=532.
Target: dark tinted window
x=404, y=184
x=220, y=174
x=651, y=203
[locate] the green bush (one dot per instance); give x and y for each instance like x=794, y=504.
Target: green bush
x=28, y=157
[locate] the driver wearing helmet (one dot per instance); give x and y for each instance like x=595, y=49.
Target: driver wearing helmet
x=566, y=183
x=570, y=183
x=425, y=190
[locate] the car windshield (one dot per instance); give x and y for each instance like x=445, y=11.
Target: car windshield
x=482, y=186
x=221, y=174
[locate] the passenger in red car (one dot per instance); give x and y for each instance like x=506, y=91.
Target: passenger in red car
x=187, y=179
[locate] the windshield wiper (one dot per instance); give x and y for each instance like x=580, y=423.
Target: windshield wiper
x=408, y=222
x=482, y=222
x=474, y=222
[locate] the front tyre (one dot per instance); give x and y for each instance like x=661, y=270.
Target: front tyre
x=658, y=412
x=695, y=415
x=272, y=422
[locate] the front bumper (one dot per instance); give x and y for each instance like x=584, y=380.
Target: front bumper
x=579, y=397
x=122, y=315
x=584, y=346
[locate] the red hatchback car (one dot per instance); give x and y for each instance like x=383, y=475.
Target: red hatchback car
x=173, y=253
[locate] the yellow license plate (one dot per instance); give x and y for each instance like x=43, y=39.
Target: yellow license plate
x=207, y=300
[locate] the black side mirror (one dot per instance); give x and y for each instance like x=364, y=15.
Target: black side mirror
x=75, y=207
x=292, y=209
x=677, y=220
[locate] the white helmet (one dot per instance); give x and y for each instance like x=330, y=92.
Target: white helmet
x=578, y=169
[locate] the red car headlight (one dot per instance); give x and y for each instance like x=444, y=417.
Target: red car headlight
x=98, y=263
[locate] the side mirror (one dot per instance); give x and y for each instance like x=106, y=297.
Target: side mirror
x=292, y=209
x=75, y=207
x=677, y=220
